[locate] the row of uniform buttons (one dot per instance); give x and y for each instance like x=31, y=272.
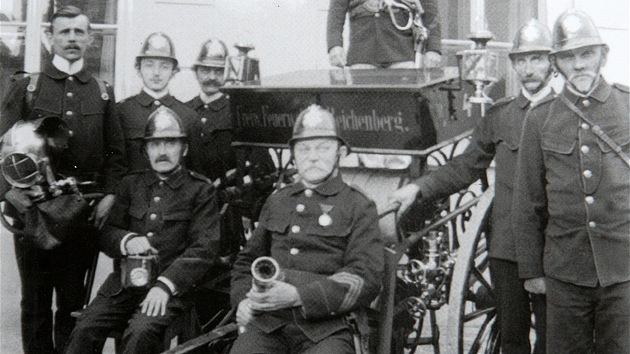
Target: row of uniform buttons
x=153, y=216
x=587, y=173
x=296, y=228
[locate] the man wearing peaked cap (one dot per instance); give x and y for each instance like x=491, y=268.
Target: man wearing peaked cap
x=325, y=238
x=572, y=198
x=167, y=211
x=156, y=65
x=496, y=138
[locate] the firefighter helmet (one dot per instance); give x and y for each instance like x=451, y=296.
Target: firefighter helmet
x=213, y=54
x=164, y=123
x=574, y=29
x=158, y=45
x=533, y=37
x=315, y=122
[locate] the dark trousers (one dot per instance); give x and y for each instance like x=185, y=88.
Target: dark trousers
x=588, y=320
x=114, y=309
x=291, y=340
x=61, y=270
x=514, y=309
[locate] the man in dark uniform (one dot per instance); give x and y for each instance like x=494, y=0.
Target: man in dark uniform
x=496, y=137
x=168, y=211
x=156, y=65
x=95, y=153
x=572, y=198
x=325, y=238
x=374, y=39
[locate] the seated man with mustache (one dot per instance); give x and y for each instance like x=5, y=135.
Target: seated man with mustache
x=167, y=211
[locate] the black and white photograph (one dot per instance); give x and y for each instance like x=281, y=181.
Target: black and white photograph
x=314, y=176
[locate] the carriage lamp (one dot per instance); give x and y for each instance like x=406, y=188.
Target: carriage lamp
x=478, y=66
x=241, y=68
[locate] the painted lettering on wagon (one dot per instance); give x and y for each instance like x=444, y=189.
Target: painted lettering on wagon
x=346, y=120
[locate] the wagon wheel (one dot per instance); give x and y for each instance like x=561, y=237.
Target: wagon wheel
x=472, y=325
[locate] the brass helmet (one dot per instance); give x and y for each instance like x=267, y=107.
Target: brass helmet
x=315, y=122
x=164, y=123
x=213, y=54
x=158, y=45
x=574, y=29
x=533, y=37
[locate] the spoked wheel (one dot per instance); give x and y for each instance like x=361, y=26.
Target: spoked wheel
x=472, y=325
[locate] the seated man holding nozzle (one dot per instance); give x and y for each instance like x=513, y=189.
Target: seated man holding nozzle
x=325, y=238
x=163, y=232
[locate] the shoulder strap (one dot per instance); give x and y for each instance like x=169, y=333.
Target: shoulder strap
x=102, y=87
x=31, y=88
x=598, y=131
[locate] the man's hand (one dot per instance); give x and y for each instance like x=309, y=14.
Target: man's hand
x=535, y=285
x=139, y=245
x=281, y=295
x=432, y=60
x=405, y=196
x=155, y=302
x=337, y=56
x=100, y=213
x=244, y=312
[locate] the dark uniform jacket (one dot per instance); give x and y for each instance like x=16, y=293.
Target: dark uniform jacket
x=96, y=148
x=495, y=137
x=373, y=37
x=134, y=112
x=216, y=155
x=178, y=215
x=336, y=268
x=572, y=197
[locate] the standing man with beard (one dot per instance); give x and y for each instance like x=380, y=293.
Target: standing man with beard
x=496, y=137
x=156, y=66
x=66, y=89
x=572, y=198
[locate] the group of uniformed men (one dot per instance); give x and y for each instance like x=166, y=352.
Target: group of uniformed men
x=560, y=216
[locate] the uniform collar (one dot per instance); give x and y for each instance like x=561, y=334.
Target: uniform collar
x=332, y=186
x=600, y=93
x=56, y=73
x=174, y=180
x=146, y=100
x=216, y=105
x=521, y=101
x=534, y=98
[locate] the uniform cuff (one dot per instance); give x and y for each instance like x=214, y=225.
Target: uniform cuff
x=169, y=284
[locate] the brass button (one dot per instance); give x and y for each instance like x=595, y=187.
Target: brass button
x=585, y=126
x=204, y=120
x=589, y=200
x=205, y=106
x=161, y=183
x=587, y=173
x=377, y=15
x=585, y=149
x=153, y=216
x=294, y=251
x=70, y=78
x=295, y=229
x=308, y=193
x=299, y=208
x=70, y=94
x=157, y=102
x=150, y=234
x=69, y=113
x=592, y=224
x=586, y=103
x=156, y=199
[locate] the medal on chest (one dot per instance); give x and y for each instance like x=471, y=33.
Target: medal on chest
x=325, y=219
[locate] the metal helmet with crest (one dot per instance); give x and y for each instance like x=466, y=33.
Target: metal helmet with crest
x=573, y=30
x=315, y=122
x=158, y=45
x=533, y=37
x=213, y=54
x=164, y=123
